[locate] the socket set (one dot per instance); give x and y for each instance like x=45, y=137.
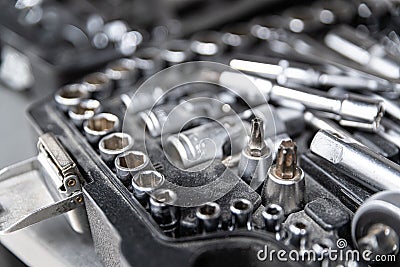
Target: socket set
x=272, y=133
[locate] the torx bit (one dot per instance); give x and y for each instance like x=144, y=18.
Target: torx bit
x=256, y=157
x=285, y=184
x=256, y=143
x=286, y=161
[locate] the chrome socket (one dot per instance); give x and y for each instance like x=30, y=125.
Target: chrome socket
x=207, y=43
x=256, y=157
x=236, y=36
x=100, y=125
x=242, y=210
x=148, y=61
x=170, y=118
x=70, y=95
x=83, y=111
x=98, y=85
x=145, y=182
x=114, y=144
x=208, y=216
x=285, y=184
x=162, y=208
x=273, y=216
x=267, y=28
x=298, y=234
x=179, y=150
x=129, y=163
x=122, y=72
x=176, y=51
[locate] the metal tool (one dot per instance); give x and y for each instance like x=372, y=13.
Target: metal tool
x=204, y=144
x=353, y=110
x=51, y=181
x=114, y=144
x=70, y=95
x=208, y=216
x=363, y=50
x=98, y=85
x=100, y=125
x=376, y=224
x=325, y=124
x=285, y=184
x=236, y=36
x=298, y=233
x=83, y=111
x=287, y=73
x=163, y=210
x=241, y=210
x=148, y=61
x=122, y=72
x=256, y=156
x=267, y=28
x=129, y=163
x=145, y=182
x=207, y=43
x=171, y=118
x=273, y=216
x=176, y=51
x=301, y=19
x=370, y=169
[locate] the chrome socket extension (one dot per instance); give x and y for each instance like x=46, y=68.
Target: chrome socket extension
x=204, y=143
x=367, y=167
